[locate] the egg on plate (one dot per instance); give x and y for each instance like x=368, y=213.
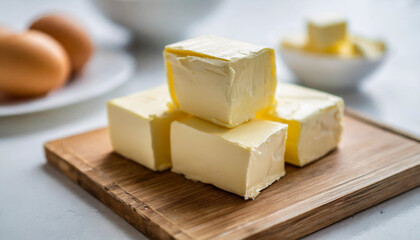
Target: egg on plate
x=32, y=64
x=70, y=35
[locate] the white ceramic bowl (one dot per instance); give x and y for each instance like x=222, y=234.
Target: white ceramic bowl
x=328, y=72
x=156, y=20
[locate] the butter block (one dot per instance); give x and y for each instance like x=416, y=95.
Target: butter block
x=314, y=121
x=220, y=80
x=242, y=160
x=368, y=48
x=326, y=30
x=139, y=127
x=344, y=49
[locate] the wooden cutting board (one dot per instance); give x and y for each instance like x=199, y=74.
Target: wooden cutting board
x=373, y=163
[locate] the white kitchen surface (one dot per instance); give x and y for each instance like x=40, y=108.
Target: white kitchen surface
x=37, y=202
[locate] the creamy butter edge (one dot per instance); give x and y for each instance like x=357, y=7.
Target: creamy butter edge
x=242, y=160
x=314, y=121
x=139, y=127
x=221, y=80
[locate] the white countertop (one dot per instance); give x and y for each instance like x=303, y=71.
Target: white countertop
x=37, y=202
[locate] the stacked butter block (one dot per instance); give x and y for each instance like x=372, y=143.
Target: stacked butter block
x=139, y=127
x=242, y=160
x=223, y=81
x=220, y=120
x=314, y=122
x=327, y=33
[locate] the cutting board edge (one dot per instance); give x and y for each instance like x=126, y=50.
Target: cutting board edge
x=366, y=195
x=129, y=211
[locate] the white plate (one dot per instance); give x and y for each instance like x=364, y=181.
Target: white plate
x=106, y=70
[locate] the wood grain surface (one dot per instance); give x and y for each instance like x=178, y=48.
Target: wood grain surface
x=372, y=164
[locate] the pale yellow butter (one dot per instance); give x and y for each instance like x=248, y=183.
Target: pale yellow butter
x=368, y=48
x=326, y=31
x=223, y=81
x=299, y=42
x=314, y=121
x=139, y=127
x=242, y=160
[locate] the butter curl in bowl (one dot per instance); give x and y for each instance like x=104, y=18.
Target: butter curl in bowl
x=328, y=57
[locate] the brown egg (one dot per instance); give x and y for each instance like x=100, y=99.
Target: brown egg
x=70, y=35
x=4, y=31
x=31, y=64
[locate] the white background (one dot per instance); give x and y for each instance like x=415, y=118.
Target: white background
x=37, y=202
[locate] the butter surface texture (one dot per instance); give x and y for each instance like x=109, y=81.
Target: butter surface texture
x=139, y=127
x=223, y=81
x=314, y=119
x=242, y=160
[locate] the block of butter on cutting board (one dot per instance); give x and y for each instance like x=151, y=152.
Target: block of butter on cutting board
x=314, y=121
x=221, y=80
x=139, y=126
x=242, y=160
x=223, y=119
